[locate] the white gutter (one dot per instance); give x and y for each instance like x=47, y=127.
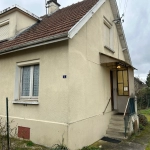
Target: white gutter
x=74, y=30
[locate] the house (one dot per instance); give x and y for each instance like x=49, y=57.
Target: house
x=138, y=84
x=66, y=74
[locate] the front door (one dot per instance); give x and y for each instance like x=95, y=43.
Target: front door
x=111, y=87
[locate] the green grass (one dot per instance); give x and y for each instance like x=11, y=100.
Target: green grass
x=146, y=112
x=148, y=147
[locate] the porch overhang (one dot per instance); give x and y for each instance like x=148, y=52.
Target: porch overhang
x=114, y=63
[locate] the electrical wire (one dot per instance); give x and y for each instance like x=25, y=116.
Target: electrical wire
x=120, y=4
x=125, y=7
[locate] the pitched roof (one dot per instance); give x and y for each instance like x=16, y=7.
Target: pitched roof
x=58, y=23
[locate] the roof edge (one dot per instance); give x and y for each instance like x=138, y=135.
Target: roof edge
x=20, y=8
x=120, y=30
x=35, y=43
x=74, y=30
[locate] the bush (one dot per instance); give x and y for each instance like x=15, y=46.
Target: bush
x=3, y=135
x=142, y=121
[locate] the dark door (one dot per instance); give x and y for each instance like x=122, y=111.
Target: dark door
x=111, y=87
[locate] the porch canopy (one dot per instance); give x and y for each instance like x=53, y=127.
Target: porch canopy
x=114, y=63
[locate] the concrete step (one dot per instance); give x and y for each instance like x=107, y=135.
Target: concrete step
x=118, y=127
x=113, y=126
x=116, y=130
x=115, y=133
x=116, y=137
x=117, y=122
x=117, y=117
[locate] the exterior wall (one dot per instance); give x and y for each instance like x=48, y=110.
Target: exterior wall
x=88, y=131
x=23, y=21
x=49, y=118
x=17, y=22
x=89, y=82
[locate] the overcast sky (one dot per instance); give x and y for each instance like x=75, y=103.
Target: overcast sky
x=136, y=27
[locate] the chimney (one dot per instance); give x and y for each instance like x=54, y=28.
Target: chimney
x=52, y=6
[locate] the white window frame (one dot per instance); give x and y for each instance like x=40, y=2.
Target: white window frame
x=18, y=99
x=31, y=84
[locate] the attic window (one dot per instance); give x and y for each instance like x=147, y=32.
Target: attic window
x=4, y=30
x=108, y=35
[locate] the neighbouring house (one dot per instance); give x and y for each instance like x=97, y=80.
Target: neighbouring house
x=68, y=75
x=138, y=85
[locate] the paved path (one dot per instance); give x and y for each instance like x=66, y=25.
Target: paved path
x=121, y=146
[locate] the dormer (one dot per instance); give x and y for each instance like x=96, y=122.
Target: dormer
x=15, y=20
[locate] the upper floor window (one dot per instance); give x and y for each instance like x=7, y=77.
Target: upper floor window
x=108, y=35
x=4, y=30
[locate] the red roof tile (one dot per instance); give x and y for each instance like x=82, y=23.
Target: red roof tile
x=60, y=22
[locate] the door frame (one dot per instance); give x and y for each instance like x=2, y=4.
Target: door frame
x=111, y=90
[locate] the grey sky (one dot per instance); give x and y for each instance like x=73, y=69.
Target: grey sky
x=136, y=26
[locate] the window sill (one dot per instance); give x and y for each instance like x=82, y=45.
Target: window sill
x=26, y=102
x=108, y=48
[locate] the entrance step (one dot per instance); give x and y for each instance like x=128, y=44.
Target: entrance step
x=116, y=137
x=116, y=127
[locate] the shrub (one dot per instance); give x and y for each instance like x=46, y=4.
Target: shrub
x=143, y=120
x=59, y=147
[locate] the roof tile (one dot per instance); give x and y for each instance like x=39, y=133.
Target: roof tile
x=59, y=22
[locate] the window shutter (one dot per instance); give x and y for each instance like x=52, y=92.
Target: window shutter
x=4, y=32
x=107, y=35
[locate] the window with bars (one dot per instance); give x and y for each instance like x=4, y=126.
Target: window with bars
x=29, y=82
x=123, y=85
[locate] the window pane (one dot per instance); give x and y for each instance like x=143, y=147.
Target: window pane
x=125, y=77
x=120, y=89
x=126, y=93
x=120, y=80
x=26, y=81
x=36, y=80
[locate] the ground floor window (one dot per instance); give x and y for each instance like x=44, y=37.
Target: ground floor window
x=123, y=83
x=29, y=81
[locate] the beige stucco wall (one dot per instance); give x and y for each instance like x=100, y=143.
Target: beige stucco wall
x=71, y=107
x=49, y=118
x=89, y=82
x=23, y=21
x=17, y=22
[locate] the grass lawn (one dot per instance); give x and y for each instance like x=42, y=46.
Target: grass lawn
x=146, y=112
x=144, y=136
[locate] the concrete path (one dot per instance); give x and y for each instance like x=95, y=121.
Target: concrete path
x=121, y=146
